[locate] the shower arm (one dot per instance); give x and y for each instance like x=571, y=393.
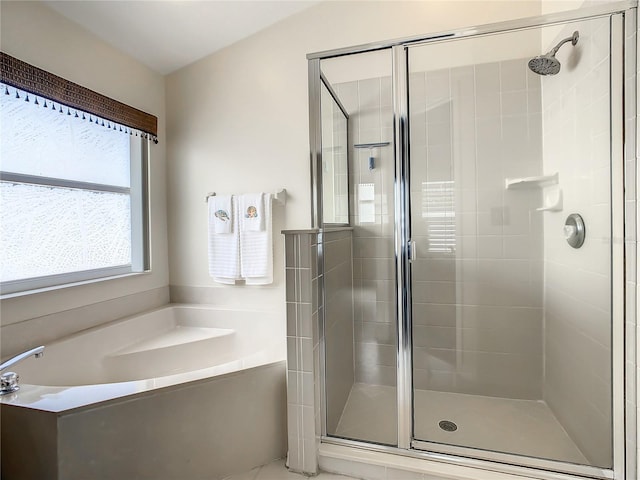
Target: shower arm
x=573, y=39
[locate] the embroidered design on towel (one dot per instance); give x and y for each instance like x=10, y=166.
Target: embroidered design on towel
x=222, y=215
x=252, y=212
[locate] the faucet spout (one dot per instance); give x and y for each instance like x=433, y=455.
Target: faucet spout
x=37, y=352
x=9, y=380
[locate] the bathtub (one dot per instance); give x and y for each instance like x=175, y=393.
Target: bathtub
x=170, y=393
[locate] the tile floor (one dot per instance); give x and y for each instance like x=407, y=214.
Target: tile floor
x=501, y=424
x=277, y=471
x=515, y=426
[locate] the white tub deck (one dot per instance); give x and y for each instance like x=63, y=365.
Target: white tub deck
x=168, y=346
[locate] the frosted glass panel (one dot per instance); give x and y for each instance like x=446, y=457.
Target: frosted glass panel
x=60, y=230
x=44, y=142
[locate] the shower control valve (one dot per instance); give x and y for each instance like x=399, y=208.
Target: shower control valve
x=574, y=231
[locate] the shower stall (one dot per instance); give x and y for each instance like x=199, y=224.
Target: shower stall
x=482, y=181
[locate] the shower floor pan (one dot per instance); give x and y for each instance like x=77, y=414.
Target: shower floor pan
x=526, y=427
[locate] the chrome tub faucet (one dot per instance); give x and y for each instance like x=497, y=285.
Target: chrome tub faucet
x=9, y=380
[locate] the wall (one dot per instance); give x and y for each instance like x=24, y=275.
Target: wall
x=238, y=122
x=631, y=154
x=368, y=102
x=477, y=278
x=591, y=436
x=306, y=306
x=305, y=402
x=337, y=309
x=35, y=34
x=576, y=132
x=470, y=128
x=335, y=173
x=137, y=437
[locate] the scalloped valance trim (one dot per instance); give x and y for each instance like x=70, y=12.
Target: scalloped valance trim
x=31, y=79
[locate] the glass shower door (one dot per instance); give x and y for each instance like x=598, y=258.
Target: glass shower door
x=360, y=337
x=511, y=312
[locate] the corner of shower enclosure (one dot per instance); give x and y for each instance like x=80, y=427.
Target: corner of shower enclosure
x=462, y=283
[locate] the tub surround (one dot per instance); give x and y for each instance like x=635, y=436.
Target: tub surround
x=19, y=334
x=186, y=431
x=228, y=296
x=106, y=408
x=164, y=347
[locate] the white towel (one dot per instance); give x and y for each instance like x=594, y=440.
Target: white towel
x=256, y=249
x=252, y=217
x=224, y=250
x=220, y=213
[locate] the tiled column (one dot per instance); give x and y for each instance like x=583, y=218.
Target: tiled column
x=303, y=396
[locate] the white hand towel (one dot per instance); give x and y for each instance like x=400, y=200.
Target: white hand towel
x=256, y=249
x=220, y=213
x=252, y=212
x=224, y=250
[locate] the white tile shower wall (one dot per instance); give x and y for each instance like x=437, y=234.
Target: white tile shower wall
x=477, y=291
x=576, y=132
x=368, y=103
x=494, y=325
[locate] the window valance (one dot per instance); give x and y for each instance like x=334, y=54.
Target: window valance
x=31, y=79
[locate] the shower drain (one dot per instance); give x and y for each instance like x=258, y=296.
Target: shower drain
x=447, y=426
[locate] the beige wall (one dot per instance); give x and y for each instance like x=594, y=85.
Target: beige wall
x=35, y=34
x=238, y=120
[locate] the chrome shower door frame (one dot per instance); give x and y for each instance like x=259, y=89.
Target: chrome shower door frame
x=623, y=227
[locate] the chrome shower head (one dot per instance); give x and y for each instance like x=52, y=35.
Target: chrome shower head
x=544, y=65
x=548, y=64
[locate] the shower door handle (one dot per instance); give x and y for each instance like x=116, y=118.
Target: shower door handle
x=411, y=250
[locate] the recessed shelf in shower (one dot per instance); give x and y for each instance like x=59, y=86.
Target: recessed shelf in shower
x=552, y=197
x=540, y=181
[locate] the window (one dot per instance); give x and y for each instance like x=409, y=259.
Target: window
x=438, y=210
x=72, y=194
